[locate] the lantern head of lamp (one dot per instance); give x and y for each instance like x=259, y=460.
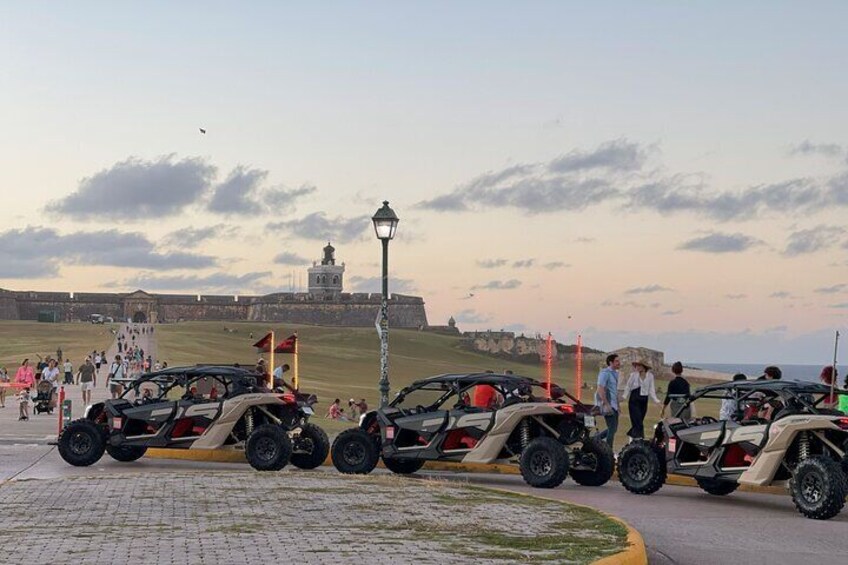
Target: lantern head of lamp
x=385, y=222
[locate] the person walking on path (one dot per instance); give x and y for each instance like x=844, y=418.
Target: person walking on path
x=25, y=375
x=116, y=371
x=606, y=397
x=637, y=391
x=677, y=394
x=87, y=379
x=98, y=360
x=68, y=367
x=4, y=381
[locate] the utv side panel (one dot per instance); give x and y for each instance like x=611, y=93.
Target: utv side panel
x=506, y=419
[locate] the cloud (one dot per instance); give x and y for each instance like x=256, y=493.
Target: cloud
x=782, y=294
x=375, y=284
x=803, y=242
x=192, y=237
x=617, y=172
x=585, y=240
x=523, y=263
x=136, y=189
x=288, y=258
x=570, y=182
x=471, y=317
x=842, y=305
x=832, y=289
x=807, y=147
x=650, y=289
x=242, y=194
x=672, y=312
x=735, y=296
x=721, y=243
x=628, y=304
x=491, y=263
x=317, y=226
x=215, y=282
x=498, y=285
x=21, y=250
x=556, y=265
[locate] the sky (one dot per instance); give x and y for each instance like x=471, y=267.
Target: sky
x=660, y=174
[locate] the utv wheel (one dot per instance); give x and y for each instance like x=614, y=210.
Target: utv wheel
x=403, y=466
x=82, y=443
x=355, y=452
x=595, y=453
x=544, y=463
x=126, y=453
x=268, y=448
x=717, y=488
x=313, y=440
x=641, y=469
x=818, y=488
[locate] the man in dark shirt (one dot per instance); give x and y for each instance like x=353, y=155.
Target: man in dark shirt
x=677, y=393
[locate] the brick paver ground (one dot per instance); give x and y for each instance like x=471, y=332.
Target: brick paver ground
x=289, y=517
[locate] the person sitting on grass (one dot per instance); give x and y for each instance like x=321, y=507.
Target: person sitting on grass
x=334, y=412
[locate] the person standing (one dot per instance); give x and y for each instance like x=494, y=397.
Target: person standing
x=606, y=397
x=87, y=379
x=677, y=394
x=25, y=375
x=637, y=391
x=98, y=360
x=68, y=367
x=116, y=371
x=51, y=374
x=4, y=382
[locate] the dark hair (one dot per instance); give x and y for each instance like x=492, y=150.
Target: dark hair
x=336, y=400
x=25, y=362
x=773, y=372
x=286, y=366
x=739, y=377
x=611, y=358
x=677, y=368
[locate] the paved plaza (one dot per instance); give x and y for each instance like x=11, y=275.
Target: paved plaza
x=309, y=517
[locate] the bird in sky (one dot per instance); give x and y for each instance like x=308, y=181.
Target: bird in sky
x=202, y=130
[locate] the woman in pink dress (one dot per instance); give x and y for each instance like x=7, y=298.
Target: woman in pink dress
x=25, y=375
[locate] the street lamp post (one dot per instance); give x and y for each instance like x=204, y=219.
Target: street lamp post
x=385, y=224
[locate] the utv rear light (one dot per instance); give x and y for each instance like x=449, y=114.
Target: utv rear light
x=117, y=422
x=390, y=432
x=566, y=408
x=288, y=398
x=842, y=423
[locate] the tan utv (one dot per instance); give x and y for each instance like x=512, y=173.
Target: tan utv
x=480, y=418
x=778, y=433
x=200, y=408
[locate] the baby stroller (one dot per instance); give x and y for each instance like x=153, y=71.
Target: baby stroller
x=44, y=398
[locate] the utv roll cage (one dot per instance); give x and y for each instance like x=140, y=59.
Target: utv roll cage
x=796, y=396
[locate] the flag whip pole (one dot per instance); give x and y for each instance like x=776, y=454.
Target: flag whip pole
x=833, y=379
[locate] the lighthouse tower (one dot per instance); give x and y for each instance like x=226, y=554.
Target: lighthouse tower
x=325, y=280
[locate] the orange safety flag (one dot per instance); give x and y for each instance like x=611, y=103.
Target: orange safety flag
x=287, y=345
x=265, y=343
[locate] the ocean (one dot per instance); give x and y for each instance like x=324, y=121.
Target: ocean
x=790, y=372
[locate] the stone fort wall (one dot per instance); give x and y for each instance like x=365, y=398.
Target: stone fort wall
x=342, y=309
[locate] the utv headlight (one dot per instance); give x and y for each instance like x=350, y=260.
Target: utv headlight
x=86, y=411
x=362, y=419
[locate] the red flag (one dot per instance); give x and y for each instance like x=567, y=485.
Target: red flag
x=287, y=345
x=264, y=344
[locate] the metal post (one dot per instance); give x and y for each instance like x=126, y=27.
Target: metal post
x=833, y=374
x=384, y=329
x=579, y=366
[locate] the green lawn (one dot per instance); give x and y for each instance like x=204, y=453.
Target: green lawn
x=19, y=340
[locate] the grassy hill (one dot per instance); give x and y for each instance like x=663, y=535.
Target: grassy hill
x=19, y=340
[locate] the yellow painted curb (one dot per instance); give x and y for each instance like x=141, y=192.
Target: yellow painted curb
x=235, y=456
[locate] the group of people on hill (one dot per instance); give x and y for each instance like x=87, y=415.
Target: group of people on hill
x=640, y=389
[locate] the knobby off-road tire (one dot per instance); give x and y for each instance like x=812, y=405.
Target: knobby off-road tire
x=82, y=443
x=604, y=464
x=126, y=453
x=718, y=488
x=544, y=463
x=268, y=448
x=355, y=452
x=317, y=438
x=818, y=487
x=641, y=468
x=403, y=466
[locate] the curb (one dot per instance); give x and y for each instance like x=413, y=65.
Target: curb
x=235, y=456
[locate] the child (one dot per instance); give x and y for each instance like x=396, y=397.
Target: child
x=23, y=400
x=4, y=380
